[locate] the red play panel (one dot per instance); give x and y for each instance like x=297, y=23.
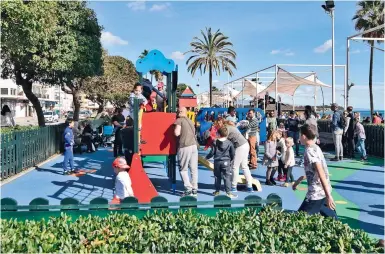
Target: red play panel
x=143, y=189
x=158, y=134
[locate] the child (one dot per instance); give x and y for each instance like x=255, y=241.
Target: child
x=318, y=197
x=137, y=93
x=359, y=132
x=223, y=152
x=281, y=148
x=282, y=129
x=123, y=182
x=289, y=161
x=270, y=158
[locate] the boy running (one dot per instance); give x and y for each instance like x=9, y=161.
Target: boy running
x=318, y=197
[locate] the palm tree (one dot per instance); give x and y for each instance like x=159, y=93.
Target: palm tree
x=211, y=53
x=369, y=15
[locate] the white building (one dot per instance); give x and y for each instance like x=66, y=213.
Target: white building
x=50, y=97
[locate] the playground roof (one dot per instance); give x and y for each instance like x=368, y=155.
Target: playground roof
x=287, y=83
x=187, y=93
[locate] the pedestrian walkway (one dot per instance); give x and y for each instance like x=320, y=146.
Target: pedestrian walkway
x=358, y=187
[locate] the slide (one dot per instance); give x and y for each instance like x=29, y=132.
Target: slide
x=241, y=179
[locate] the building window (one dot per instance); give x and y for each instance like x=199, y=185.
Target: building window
x=13, y=91
x=4, y=91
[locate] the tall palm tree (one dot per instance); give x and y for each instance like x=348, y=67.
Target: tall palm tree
x=369, y=15
x=212, y=53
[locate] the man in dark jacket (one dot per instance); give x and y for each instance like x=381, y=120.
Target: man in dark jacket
x=223, y=152
x=292, y=126
x=349, y=133
x=118, y=121
x=68, y=148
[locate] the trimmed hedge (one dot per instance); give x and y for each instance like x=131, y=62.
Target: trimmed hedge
x=268, y=231
x=17, y=128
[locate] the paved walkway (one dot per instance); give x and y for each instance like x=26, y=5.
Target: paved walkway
x=358, y=188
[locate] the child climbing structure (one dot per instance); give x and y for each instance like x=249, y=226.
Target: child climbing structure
x=153, y=129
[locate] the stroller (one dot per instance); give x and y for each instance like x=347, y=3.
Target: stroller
x=107, y=136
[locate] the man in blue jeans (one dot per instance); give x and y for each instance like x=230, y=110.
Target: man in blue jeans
x=292, y=126
x=68, y=148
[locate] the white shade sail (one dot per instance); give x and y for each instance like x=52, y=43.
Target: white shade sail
x=288, y=83
x=250, y=88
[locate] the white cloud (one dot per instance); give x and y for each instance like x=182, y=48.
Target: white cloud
x=137, y=5
x=177, y=55
x=109, y=39
x=357, y=51
x=286, y=52
x=324, y=47
x=275, y=51
x=160, y=7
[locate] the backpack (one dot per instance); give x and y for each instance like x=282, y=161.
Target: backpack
x=342, y=121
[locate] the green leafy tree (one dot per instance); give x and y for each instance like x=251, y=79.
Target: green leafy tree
x=50, y=43
x=116, y=83
x=215, y=89
x=212, y=53
x=369, y=15
x=83, y=33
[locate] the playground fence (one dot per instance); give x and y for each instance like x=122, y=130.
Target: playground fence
x=40, y=208
x=26, y=148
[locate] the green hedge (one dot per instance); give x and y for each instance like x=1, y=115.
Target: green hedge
x=268, y=231
x=17, y=128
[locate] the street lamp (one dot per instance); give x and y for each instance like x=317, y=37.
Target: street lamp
x=347, y=94
x=329, y=8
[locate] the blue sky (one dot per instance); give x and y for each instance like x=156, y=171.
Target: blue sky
x=263, y=34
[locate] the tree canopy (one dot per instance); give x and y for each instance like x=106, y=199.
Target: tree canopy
x=49, y=42
x=116, y=83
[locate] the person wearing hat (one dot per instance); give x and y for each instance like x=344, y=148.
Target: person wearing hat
x=349, y=133
x=160, y=100
x=123, y=187
x=337, y=125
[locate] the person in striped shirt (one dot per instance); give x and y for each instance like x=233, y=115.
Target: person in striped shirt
x=252, y=132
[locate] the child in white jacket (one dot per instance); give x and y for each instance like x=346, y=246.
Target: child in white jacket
x=289, y=161
x=123, y=187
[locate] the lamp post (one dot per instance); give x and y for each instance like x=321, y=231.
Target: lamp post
x=347, y=94
x=329, y=8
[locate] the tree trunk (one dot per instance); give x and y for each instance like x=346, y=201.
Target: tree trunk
x=27, y=88
x=371, y=79
x=211, y=84
x=76, y=101
x=101, y=107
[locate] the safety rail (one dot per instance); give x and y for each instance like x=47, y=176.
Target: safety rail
x=22, y=149
x=40, y=207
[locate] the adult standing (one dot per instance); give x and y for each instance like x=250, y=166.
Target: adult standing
x=349, y=132
x=187, y=152
x=68, y=148
x=242, y=149
x=252, y=130
x=160, y=100
x=376, y=119
x=311, y=119
x=271, y=122
x=232, y=115
x=118, y=122
x=292, y=126
x=6, y=117
x=337, y=125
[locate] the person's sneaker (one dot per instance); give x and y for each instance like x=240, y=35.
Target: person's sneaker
x=292, y=183
x=65, y=172
x=250, y=189
x=341, y=158
x=285, y=185
x=269, y=183
x=335, y=159
x=194, y=193
x=273, y=182
x=364, y=158
x=216, y=193
x=234, y=189
x=187, y=193
x=278, y=178
x=283, y=179
x=231, y=195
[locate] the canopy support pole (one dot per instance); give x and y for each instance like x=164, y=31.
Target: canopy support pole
x=293, y=102
x=257, y=92
x=276, y=90
x=346, y=85
x=315, y=94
